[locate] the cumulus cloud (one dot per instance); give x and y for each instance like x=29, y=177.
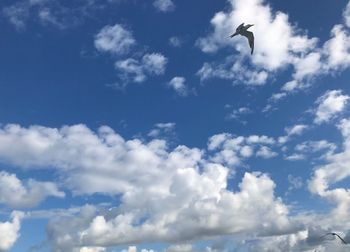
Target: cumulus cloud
x=164, y=5
x=114, y=39
x=330, y=104
x=279, y=45
x=278, y=42
x=179, y=248
x=190, y=187
x=231, y=151
x=179, y=85
x=266, y=152
x=337, y=169
x=9, y=231
x=16, y=194
x=117, y=41
x=193, y=211
x=92, y=249
x=138, y=70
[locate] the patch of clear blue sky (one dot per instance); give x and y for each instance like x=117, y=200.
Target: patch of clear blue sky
x=55, y=77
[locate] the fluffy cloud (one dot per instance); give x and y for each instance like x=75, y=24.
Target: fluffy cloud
x=194, y=208
x=231, y=151
x=9, y=231
x=266, y=152
x=180, y=248
x=164, y=5
x=166, y=195
x=138, y=70
x=92, y=249
x=330, y=104
x=179, y=85
x=279, y=45
x=15, y=194
x=114, y=39
x=337, y=169
x=117, y=41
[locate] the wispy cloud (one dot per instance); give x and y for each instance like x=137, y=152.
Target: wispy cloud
x=164, y=5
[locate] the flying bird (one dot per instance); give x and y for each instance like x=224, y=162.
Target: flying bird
x=243, y=31
x=335, y=234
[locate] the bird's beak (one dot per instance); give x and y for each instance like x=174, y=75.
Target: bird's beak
x=234, y=34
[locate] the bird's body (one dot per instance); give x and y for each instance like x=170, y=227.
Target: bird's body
x=243, y=31
x=335, y=234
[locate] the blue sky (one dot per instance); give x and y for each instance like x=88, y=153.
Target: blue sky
x=141, y=126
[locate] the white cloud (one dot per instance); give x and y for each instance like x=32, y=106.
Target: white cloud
x=279, y=45
x=335, y=170
x=17, y=15
x=294, y=182
x=304, y=149
x=179, y=85
x=346, y=15
x=138, y=70
x=16, y=194
x=333, y=56
x=295, y=157
x=289, y=86
x=234, y=70
x=154, y=63
x=160, y=189
x=180, y=248
x=337, y=48
x=174, y=221
x=9, y=231
x=295, y=130
x=164, y=5
x=237, y=113
x=330, y=104
x=266, y=152
x=117, y=41
x=176, y=41
x=278, y=42
x=162, y=129
x=114, y=39
x=92, y=249
x=306, y=66
x=316, y=146
x=231, y=151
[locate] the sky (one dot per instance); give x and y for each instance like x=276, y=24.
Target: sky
x=141, y=126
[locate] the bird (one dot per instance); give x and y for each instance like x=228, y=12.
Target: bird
x=335, y=234
x=243, y=31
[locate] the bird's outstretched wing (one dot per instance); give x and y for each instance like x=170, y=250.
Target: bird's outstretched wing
x=343, y=241
x=250, y=36
x=335, y=234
